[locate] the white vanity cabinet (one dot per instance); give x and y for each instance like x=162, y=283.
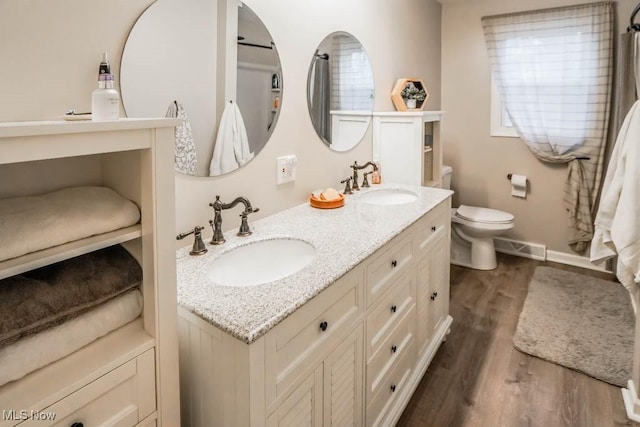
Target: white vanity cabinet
x=352, y=355
x=306, y=370
x=129, y=376
x=408, y=147
x=406, y=323
x=332, y=394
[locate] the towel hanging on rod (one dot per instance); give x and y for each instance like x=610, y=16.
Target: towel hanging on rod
x=271, y=45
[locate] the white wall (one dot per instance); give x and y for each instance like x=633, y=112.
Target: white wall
x=174, y=38
x=481, y=162
x=297, y=27
x=50, y=51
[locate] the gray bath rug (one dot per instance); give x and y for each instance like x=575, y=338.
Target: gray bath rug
x=579, y=322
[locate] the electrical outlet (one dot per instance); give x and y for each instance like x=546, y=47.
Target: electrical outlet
x=286, y=168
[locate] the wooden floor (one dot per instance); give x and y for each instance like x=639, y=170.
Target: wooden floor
x=479, y=379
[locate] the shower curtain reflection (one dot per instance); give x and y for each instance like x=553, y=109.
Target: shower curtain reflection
x=319, y=99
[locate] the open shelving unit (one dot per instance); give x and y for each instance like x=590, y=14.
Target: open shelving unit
x=129, y=376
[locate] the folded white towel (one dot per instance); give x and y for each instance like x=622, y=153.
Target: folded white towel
x=36, y=351
x=29, y=224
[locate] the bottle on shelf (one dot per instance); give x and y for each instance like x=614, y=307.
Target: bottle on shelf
x=105, y=100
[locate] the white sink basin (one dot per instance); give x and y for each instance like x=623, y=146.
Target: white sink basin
x=388, y=196
x=260, y=262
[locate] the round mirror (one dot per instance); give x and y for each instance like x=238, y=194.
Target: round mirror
x=340, y=91
x=213, y=65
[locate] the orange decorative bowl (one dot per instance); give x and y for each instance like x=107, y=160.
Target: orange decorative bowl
x=326, y=204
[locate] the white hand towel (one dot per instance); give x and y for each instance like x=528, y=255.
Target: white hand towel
x=232, y=145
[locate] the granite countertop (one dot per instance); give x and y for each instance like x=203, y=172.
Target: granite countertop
x=342, y=237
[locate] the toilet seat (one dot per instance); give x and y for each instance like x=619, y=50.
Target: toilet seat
x=482, y=218
x=483, y=215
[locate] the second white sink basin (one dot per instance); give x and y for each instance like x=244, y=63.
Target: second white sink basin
x=388, y=196
x=261, y=262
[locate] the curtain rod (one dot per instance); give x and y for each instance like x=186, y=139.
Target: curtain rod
x=551, y=9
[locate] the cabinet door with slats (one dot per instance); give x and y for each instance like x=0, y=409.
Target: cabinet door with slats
x=343, y=389
x=303, y=407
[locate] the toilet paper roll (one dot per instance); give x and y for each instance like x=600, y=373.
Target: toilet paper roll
x=519, y=186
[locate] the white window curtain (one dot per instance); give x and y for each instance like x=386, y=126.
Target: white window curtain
x=352, y=78
x=553, y=69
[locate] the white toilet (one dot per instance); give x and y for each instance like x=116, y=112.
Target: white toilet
x=473, y=230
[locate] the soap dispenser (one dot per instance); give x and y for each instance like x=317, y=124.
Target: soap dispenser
x=105, y=101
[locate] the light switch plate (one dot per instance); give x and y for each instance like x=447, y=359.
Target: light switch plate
x=286, y=168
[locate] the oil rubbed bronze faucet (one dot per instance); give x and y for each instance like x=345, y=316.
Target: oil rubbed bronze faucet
x=356, y=168
x=198, y=244
x=216, y=223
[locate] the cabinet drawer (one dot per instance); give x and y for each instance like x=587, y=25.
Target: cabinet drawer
x=392, y=349
x=385, y=266
x=433, y=224
x=392, y=307
x=122, y=398
x=393, y=385
x=307, y=334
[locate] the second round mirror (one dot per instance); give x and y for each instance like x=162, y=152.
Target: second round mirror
x=340, y=91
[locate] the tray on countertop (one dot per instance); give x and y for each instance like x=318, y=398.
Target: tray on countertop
x=326, y=204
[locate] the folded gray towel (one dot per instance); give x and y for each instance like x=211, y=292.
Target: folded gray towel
x=42, y=298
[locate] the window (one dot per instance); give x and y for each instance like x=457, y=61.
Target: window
x=552, y=68
x=500, y=122
x=352, y=78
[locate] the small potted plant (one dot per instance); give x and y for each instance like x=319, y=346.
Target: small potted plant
x=412, y=94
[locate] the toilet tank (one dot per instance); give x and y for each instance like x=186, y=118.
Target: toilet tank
x=446, y=177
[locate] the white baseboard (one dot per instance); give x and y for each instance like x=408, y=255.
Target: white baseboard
x=541, y=253
x=520, y=248
x=575, y=260
x=631, y=402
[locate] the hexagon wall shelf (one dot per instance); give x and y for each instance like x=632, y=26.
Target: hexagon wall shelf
x=399, y=102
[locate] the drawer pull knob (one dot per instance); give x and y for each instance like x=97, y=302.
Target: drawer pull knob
x=324, y=326
x=394, y=263
x=394, y=308
x=433, y=296
x=394, y=349
x=393, y=388
x=433, y=228
x=77, y=425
